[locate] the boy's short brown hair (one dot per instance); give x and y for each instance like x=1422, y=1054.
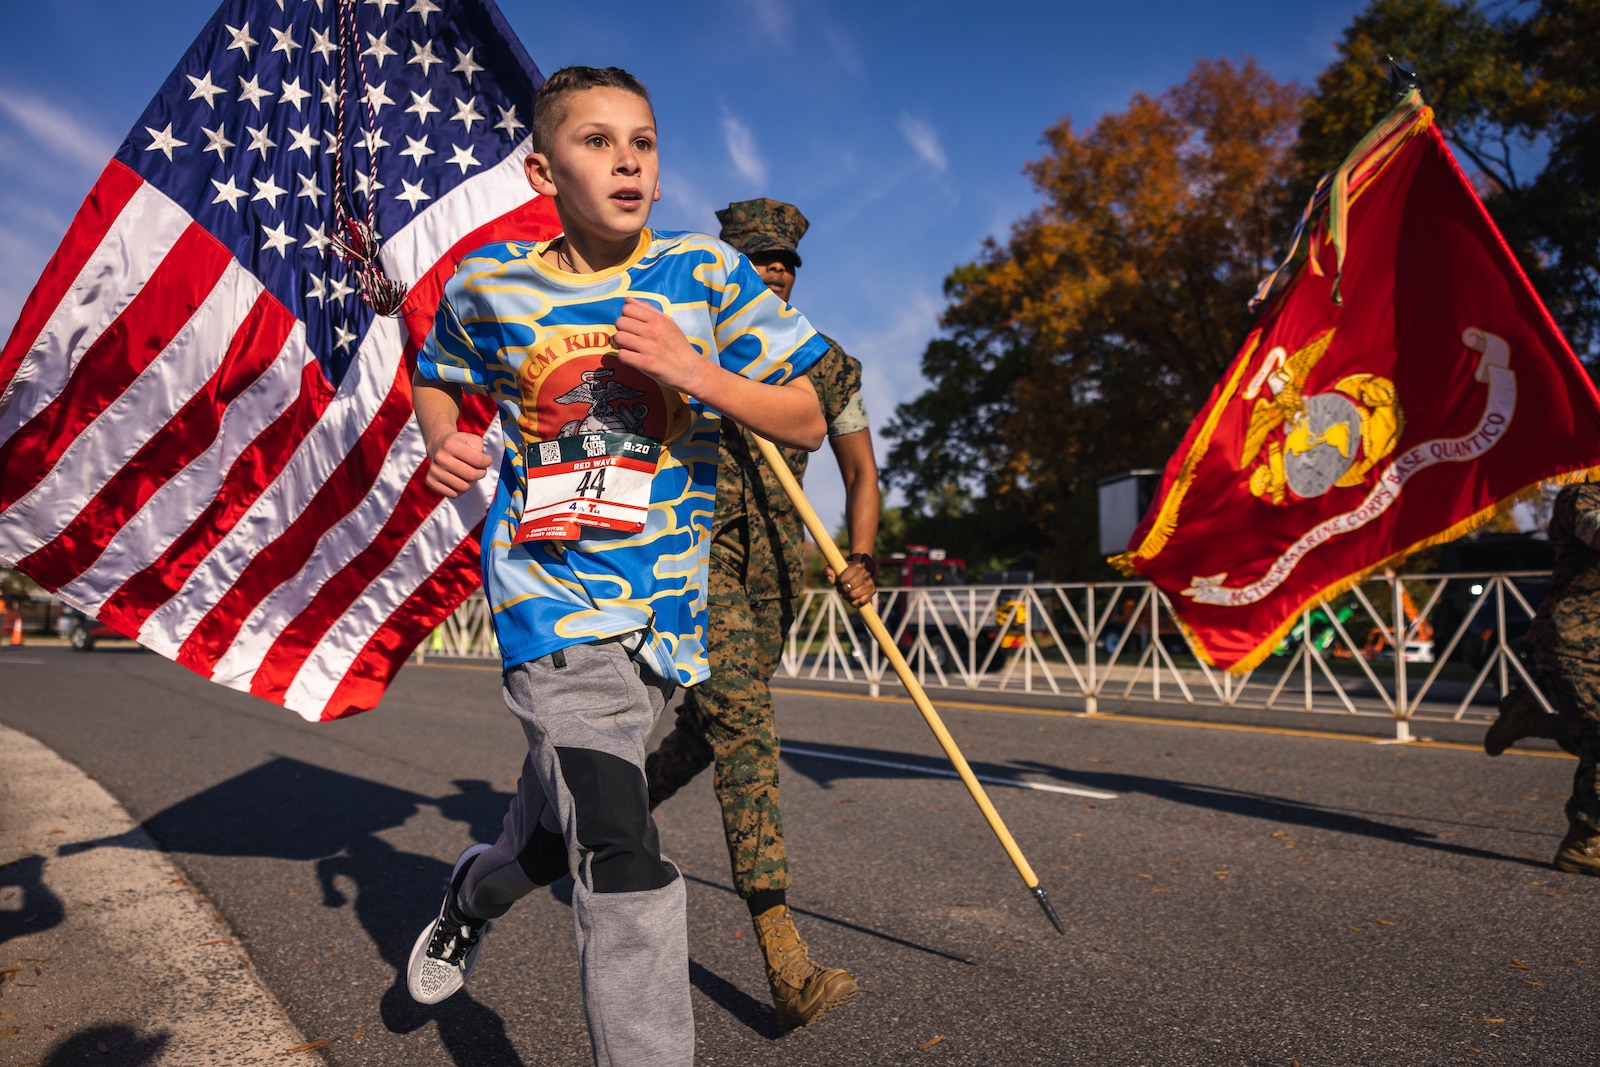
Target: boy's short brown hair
x=548, y=111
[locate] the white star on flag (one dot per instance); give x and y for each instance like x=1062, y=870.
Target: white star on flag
x=424, y=8
x=378, y=47
x=416, y=148
x=204, y=87
x=322, y=44
x=276, y=239
x=259, y=141
x=251, y=91
x=463, y=158
x=424, y=55
x=467, y=113
x=316, y=237
x=466, y=65
x=227, y=191
x=217, y=141
x=413, y=194
x=377, y=98
x=286, y=42
x=291, y=93
x=509, y=121
x=303, y=141
x=309, y=188
x=268, y=190
x=162, y=141
x=422, y=106
x=242, y=39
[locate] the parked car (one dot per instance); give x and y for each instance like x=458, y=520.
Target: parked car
x=84, y=630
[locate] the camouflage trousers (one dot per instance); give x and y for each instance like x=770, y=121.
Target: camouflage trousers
x=728, y=720
x=1573, y=686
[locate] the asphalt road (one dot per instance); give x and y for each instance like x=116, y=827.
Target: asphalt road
x=1247, y=897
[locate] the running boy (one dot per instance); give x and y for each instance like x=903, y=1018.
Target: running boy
x=607, y=351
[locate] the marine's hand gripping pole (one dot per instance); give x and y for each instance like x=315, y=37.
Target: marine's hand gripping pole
x=869, y=612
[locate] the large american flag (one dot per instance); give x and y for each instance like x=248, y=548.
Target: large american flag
x=205, y=436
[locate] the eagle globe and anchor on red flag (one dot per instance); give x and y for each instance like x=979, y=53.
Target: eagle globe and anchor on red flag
x=1302, y=447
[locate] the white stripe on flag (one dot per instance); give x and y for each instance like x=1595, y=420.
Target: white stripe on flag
x=145, y=231
x=104, y=447
x=365, y=387
x=415, y=249
x=340, y=544
x=445, y=528
x=174, y=506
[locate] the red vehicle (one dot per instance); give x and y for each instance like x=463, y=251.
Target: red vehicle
x=920, y=565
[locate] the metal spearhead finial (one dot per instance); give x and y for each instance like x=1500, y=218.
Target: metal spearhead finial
x=1049, y=910
x=1401, y=80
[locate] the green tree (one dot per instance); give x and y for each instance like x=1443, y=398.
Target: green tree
x=1085, y=344
x=1514, y=92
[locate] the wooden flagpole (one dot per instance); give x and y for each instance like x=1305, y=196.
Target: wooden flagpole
x=869, y=612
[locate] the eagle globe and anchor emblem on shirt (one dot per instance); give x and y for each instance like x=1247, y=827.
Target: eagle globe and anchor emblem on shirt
x=1304, y=446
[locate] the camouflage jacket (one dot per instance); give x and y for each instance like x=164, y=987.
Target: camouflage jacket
x=1568, y=623
x=748, y=493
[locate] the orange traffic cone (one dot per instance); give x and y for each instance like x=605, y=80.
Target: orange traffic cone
x=16, y=631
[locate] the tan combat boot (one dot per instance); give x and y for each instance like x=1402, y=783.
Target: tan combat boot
x=1520, y=716
x=802, y=991
x=1579, y=852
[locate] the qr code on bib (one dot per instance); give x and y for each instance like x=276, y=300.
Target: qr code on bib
x=549, y=452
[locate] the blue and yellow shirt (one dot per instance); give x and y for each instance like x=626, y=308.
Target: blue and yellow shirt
x=537, y=340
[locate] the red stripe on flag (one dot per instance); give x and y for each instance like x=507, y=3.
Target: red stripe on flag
x=111, y=193
x=250, y=474
x=256, y=344
x=432, y=603
x=345, y=488
x=299, y=639
x=139, y=335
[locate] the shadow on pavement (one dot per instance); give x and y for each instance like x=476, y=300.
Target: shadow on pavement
x=1279, y=810
x=762, y=1018
x=27, y=905
x=290, y=810
x=868, y=931
x=108, y=1044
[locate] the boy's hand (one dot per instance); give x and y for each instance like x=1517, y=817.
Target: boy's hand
x=650, y=341
x=455, y=461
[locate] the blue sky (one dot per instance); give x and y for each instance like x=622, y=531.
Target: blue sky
x=899, y=128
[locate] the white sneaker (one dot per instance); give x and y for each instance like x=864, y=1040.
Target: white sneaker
x=447, y=950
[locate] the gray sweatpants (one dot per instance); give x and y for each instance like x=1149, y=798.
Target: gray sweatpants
x=581, y=806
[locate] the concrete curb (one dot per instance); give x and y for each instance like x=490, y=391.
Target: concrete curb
x=107, y=954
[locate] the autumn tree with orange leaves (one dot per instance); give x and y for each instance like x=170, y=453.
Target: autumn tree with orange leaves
x=1085, y=344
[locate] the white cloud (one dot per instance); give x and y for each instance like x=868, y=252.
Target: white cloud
x=844, y=49
x=57, y=131
x=742, y=149
x=924, y=141
x=771, y=17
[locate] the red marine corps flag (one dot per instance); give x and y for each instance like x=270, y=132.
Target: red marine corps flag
x=1406, y=387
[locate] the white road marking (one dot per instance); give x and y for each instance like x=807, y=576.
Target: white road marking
x=947, y=772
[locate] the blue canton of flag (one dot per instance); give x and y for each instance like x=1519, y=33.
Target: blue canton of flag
x=206, y=437
x=245, y=134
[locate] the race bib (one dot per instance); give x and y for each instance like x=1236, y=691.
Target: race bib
x=596, y=480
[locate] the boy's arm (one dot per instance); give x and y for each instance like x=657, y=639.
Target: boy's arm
x=650, y=341
x=455, y=459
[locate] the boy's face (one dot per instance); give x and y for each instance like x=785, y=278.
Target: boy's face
x=602, y=167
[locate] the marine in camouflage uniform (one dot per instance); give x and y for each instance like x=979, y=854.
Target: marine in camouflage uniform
x=756, y=572
x=1565, y=636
